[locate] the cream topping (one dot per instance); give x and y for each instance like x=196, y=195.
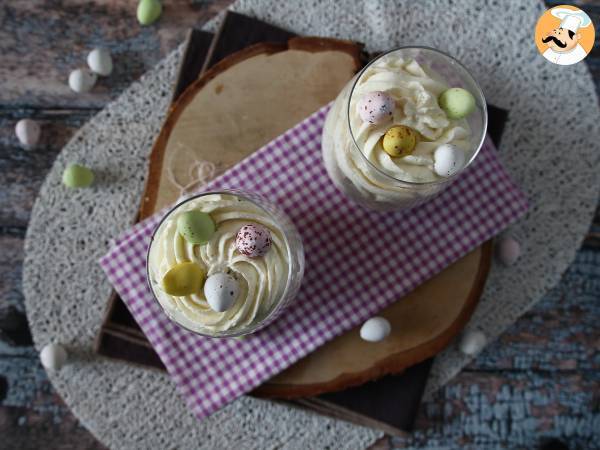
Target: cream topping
x=415, y=90
x=262, y=280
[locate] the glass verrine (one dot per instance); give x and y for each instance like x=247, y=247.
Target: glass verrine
x=352, y=148
x=266, y=284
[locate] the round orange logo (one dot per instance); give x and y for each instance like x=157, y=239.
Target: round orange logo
x=564, y=35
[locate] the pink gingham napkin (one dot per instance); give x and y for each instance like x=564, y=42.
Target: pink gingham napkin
x=357, y=262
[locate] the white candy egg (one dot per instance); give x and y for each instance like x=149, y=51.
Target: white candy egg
x=221, y=291
x=100, y=61
x=28, y=132
x=472, y=342
x=375, y=329
x=448, y=159
x=53, y=356
x=82, y=80
x=508, y=250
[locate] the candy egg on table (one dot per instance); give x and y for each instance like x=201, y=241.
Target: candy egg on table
x=457, y=103
x=28, y=132
x=221, y=291
x=375, y=329
x=196, y=227
x=53, y=356
x=472, y=342
x=448, y=160
x=399, y=140
x=77, y=176
x=508, y=250
x=253, y=240
x=82, y=80
x=100, y=61
x=148, y=11
x=376, y=107
x=185, y=278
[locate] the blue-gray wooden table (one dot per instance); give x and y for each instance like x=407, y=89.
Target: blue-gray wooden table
x=540, y=381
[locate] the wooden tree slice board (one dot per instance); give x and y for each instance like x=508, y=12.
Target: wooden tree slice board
x=239, y=105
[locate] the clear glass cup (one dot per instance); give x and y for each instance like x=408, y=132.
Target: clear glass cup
x=368, y=184
x=289, y=247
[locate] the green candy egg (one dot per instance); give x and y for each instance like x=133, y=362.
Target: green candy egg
x=457, y=103
x=399, y=140
x=195, y=226
x=76, y=176
x=185, y=278
x=148, y=11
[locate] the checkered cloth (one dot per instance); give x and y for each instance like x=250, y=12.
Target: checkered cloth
x=357, y=262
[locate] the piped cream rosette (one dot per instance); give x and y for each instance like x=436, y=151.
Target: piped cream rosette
x=415, y=91
x=259, y=281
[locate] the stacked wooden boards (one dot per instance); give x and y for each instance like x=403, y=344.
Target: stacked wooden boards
x=239, y=103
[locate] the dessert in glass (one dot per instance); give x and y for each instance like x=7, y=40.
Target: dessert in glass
x=224, y=264
x=404, y=128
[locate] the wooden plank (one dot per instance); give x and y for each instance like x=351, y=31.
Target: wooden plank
x=63, y=35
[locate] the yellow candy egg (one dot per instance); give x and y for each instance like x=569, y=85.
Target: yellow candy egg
x=185, y=278
x=399, y=140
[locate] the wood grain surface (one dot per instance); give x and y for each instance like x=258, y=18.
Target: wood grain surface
x=539, y=381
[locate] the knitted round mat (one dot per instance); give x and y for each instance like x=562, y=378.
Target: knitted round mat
x=555, y=162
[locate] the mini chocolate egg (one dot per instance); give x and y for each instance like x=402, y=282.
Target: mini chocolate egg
x=76, y=176
x=448, y=160
x=185, y=278
x=375, y=329
x=196, y=227
x=82, y=80
x=28, y=132
x=376, y=107
x=472, y=342
x=100, y=61
x=399, y=140
x=457, y=103
x=253, y=240
x=221, y=291
x=148, y=11
x=508, y=250
x=53, y=356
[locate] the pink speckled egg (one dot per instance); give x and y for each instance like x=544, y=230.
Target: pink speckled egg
x=376, y=107
x=253, y=240
x=508, y=250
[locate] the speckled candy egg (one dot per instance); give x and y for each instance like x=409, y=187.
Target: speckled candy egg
x=196, y=227
x=457, y=103
x=100, y=61
x=508, y=250
x=182, y=279
x=28, y=132
x=253, y=240
x=77, y=176
x=53, y=356
x=399, y=141
x=472, y=342
x=82, y=80
x=376, y=107
x=375, y=329
x=448, y=160
x=221, y=291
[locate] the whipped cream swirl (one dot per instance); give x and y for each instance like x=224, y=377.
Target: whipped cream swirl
x=262, y=280
x=415, y=90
